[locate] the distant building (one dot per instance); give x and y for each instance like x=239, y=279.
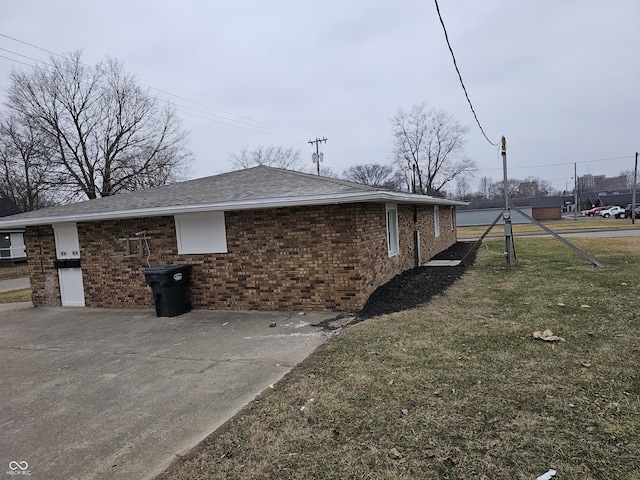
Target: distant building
x=601, y=183
x=12, y=247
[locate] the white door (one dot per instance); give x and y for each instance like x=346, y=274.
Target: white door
x=68, y=248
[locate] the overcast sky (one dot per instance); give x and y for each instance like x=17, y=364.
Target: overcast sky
x=558, y=78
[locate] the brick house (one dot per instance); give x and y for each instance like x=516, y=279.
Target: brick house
x=11, y=239
x=258, y=239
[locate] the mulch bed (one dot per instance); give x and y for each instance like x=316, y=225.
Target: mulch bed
x=414, y=287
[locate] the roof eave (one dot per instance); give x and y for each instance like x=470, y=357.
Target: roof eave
x=311, y=200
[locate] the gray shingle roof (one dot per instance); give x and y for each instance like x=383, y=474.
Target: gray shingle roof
x=251, y=188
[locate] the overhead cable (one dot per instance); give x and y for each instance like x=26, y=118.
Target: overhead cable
x=455, y=64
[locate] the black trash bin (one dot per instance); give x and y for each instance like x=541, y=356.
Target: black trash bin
x=169, y=287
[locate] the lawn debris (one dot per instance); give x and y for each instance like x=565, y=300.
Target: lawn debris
x=548, y=475
x=547, y=336
x=395, y=454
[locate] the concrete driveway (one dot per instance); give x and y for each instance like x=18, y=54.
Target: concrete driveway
x=97, y=393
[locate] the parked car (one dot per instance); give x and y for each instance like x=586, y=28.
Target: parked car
x=615, y=211
x=594, y=211
x=627, y=211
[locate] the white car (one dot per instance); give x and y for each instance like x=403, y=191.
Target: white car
x=615, y=211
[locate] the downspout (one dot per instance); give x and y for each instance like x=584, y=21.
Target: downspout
x=416, y=238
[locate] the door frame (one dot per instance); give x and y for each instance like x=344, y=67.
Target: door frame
x=69, y=279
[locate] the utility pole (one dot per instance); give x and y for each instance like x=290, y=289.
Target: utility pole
x=506, y=215
x=575, y=192
x=317, y=156
x=633, y=197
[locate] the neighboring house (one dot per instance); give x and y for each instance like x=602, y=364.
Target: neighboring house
x=11, y=239
x=258, y=239
x=540, y=208
x=485, y=212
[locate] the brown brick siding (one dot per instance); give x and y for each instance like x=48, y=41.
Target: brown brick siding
x=302, y=258
x=41, y=252
x=547, y=213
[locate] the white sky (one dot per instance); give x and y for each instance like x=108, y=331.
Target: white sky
x=558, y=78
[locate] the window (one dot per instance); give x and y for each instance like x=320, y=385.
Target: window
x=203, y=232
x=5, y=246
x=392, y=229
x=436, y=220
x=453, y=218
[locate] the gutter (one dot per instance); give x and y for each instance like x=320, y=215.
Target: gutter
x=332, y=199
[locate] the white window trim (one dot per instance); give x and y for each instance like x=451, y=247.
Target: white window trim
x=453, y=218
x=391, y=215
x=202, y=232
x=436, y=220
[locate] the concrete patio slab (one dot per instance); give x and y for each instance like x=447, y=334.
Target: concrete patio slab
x=115, y=394
x=442, y=263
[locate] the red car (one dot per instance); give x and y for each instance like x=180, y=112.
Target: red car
x=594, y=211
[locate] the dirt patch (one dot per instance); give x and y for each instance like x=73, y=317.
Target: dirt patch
x=414, y=287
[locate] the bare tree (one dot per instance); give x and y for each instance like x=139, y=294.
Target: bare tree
x=24, y=166
x=272, y=156
x=629, y=176
x=327, y=172
x=104, y=133
x=373, y=174
x=429, y=148
x=484, y=188
x=513, y=188
x=463, y=189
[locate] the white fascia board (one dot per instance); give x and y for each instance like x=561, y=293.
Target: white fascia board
x=331, y=199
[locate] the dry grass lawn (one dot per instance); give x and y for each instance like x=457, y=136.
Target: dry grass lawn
x=23, y=295
x=15, y=271
x=459, y=388
x=590, y=224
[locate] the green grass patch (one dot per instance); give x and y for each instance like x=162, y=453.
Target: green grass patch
x=459, y=388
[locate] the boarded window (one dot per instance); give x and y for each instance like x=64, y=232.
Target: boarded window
x=203, y=232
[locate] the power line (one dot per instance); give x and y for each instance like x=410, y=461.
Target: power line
x=455, y=64
x=17, y=61
x=267, y=125
x=230, y=124
x=31, y=45
x=237, y=123
x=23, y=56
x=250, y=124
x=254, y=123
x=563, y=163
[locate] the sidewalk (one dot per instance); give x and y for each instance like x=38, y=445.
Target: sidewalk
x=14, y=284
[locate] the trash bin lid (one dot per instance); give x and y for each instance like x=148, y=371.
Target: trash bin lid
x=167, y=269
x=167, y=274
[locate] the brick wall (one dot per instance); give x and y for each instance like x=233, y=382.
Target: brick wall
x=547, y=213
x=41, y=252
x=303, y=258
